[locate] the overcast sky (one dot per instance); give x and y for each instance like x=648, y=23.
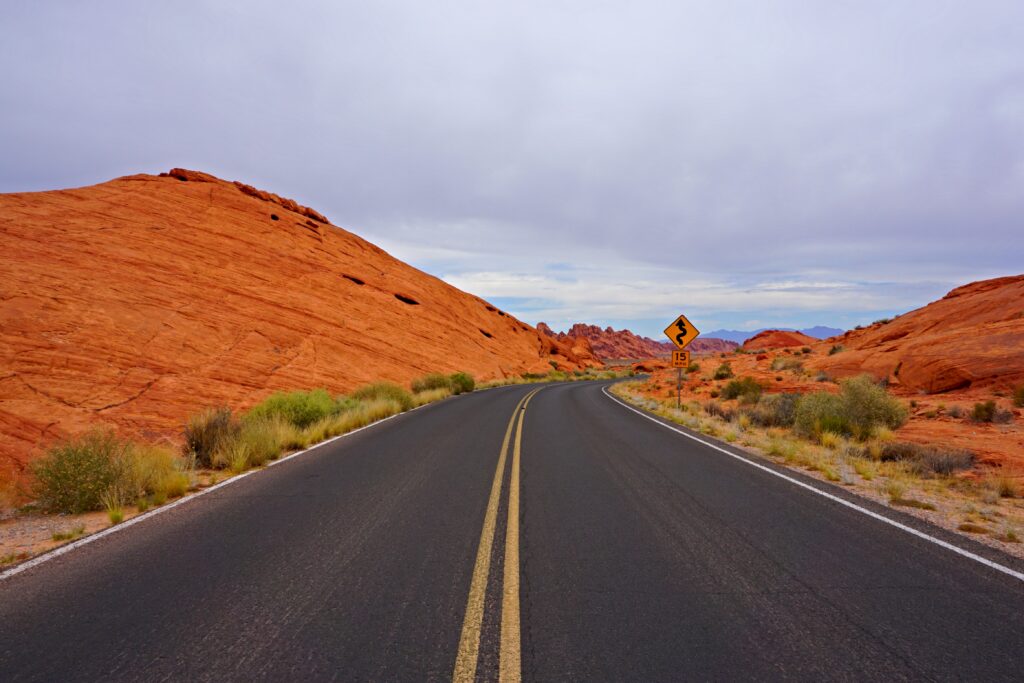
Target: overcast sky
x=749, y=163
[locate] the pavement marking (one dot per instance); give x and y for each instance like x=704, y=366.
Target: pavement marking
x=472, y=623
x=64, y=549
x=510, y=659
x=842, y=501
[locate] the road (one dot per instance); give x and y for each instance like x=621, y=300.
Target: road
x=631, y=553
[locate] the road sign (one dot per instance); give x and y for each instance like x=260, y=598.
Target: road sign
x=681, y=359
x=681, y=332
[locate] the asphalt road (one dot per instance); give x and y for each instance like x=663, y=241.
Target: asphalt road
x=631, y=553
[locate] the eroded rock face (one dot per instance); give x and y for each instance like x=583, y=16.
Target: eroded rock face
x=610, y=343
x=972, y=337
x=136, y=302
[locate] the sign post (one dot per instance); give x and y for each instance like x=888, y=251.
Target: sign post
x=681, y=332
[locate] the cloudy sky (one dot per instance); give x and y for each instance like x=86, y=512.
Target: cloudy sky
x=750, y=163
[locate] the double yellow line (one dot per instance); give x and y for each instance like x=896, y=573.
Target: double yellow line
x=509, y=662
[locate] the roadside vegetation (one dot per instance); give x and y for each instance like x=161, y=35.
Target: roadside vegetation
x=849, y=437
x=100, y=471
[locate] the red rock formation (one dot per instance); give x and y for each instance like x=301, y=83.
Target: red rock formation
x=138, y=301
x=972, y=337
x=609, y=343
x=778, y=339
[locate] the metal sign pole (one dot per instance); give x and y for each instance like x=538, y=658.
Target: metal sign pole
x=679, y=388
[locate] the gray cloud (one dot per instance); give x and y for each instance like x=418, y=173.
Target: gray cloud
x=706, y=151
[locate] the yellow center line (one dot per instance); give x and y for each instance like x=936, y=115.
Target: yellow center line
x=509, y=662
x=469, y=641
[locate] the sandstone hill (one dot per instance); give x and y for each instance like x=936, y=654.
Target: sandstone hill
x=137, y=301
x=609, y=343
x=973, y=337
x=777, y=339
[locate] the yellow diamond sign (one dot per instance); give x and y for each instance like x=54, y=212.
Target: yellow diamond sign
x=681, y=332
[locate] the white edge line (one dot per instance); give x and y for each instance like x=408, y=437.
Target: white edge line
x=842, y=501
x=57, y=552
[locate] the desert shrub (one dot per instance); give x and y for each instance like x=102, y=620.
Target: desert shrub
x=857, y=410
x=434, y=380
x=75, y=475
x=693, y=367
x=867, y=406
x=882, y=321
x=805, y=350
x=984, y=411
x=820, y=412
x=927, y=459
x=716, y=409
x=775, y=410
x=822, y=376
x=384, y=391
x=835, y=349
x=783, y=363
x=463, y=382
x=300, y=408
x=208, y=432
x=747, y=389
x=1018, y=396
x=724, y=371
x=956, y=412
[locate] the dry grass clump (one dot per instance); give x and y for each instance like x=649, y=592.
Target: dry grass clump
x=456, y=383
x=716, y=409
x=430, y=396
x=208, y=434
x=787, y=363
x=927, y=460
x=70, y=534
x=383, y=391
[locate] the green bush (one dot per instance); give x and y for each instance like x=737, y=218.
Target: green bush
x=74, y=476
x=208, y=432
x=835, y=349
x=724, y=371
x=1018, y=396
x=775, y=410
x=984, y=412
x=693, y=367
x=434, y=380
x=300, y=408
x=462, y=383
x=747, y=389
x=384, y=391
x=859, y=407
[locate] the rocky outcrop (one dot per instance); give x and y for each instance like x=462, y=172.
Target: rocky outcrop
x=777, y=339
x=609, y=343
x=972, y=337
x=138, y=301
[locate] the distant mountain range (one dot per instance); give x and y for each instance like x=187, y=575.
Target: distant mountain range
x=740, y=336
